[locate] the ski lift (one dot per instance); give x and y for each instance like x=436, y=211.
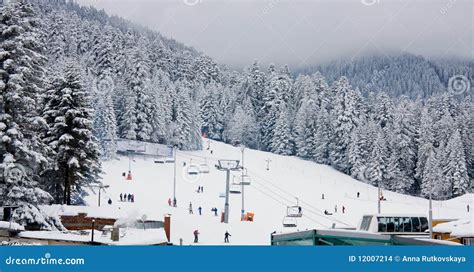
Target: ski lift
x=193, y=170
x=204, y=168
x=235, y=189
x=294, y=211
x=244, y=180
x=289, y=222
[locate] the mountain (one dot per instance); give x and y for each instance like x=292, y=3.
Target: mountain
x=402, y=74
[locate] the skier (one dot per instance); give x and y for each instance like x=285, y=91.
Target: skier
x=121, y=197
x=322, y=196
x=343, y=209
x=212, y=152
x=196, y=236
x=110, y=201
x=299, y=209
x=467, y=207
x=175, y=203
x=335, y=208
x=358, y=194
x=129, y=197
x=226, y=237
x=132, y=198
x=327, y=213
x=199, y=189
x=169, y=201
x=200, y=209
x=215, y=211
x=190, y=208
x=125, y=197
x=202, y=189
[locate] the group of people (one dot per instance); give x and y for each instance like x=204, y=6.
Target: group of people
x=200, y=189
x=127, y=198
x=196, y=236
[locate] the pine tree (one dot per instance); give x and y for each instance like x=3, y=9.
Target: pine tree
x=21, y=76
x=281, y=141
x=433, y=180
x=70, y=119
x=377, y=172
x=454, y=169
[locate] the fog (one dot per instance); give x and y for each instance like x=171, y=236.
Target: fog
x=302, y=33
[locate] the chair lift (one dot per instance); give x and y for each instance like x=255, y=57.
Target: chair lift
x=289, y=222
x=204, y=168
x=193, y=170
x=235, y=187
x=294, y=211
x=244, y=180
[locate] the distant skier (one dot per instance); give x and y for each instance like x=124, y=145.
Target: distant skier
x=121, y=197
x=199, y=189
x=322, y=196
x=196, y=236
x=190, y=208
x=169, y=202
x=335, y=208
x=467, y=207
x=343, y=209
x=212, y=152
x=200, y=210
x=132, y=198
x=110, y=201
x=327, y=213
x=202, y=189
x=175, y=202
x=125, y=197
x=358, y=194
x=226, y=237
x=300, y=210
x=129, y=197
x=215, y=211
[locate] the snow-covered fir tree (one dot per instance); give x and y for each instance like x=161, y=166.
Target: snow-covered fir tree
x=69, y=116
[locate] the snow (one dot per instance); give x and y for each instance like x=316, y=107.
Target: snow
x=268, y=195
x=128, y=236
x=14, y=226
x=458, y=228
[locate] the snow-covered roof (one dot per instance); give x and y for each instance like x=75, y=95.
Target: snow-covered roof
x=128, y=236
x=459, y=228
x=13, y=226
x=106, y=211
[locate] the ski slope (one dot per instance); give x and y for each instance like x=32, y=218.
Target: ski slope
x=267, y=196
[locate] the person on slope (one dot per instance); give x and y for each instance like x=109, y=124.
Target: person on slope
x=190, y=208
x=226, y=237
x=121, y=197
x=175, y=202
x=196, y=236
x=110, y=201
x=169, y=201
x=200, y=210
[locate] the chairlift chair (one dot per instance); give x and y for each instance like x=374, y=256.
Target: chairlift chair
x=293, y=211
x=193, y=170
x=204, y=168
x=244, y=180
x=289, y=222
x=235, y=189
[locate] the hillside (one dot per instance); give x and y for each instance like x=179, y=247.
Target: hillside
x=267, y=196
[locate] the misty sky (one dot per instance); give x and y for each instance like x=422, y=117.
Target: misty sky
x=302, y=33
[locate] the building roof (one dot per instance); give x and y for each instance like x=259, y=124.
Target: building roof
x=459, y=228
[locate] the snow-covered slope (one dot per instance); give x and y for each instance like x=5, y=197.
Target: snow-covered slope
x=267, y=196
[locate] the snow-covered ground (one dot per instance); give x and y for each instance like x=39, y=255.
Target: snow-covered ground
x=267, y=196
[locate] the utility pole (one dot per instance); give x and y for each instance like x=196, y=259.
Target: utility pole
x=430, y=214
x=268, y=163
x=242, y=148
x=378, y=198
x=175, y=149
x=227, y=165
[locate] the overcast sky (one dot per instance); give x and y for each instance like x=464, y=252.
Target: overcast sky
x=301, y=33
